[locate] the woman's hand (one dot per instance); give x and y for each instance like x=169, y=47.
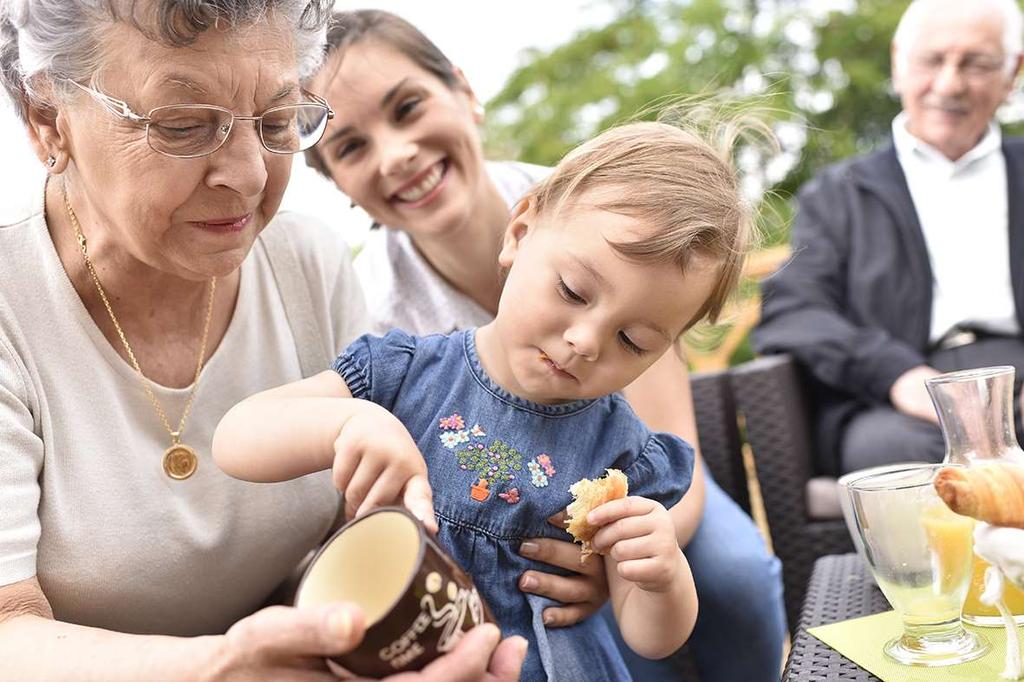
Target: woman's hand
x=376, y=462
x=582, y=594
x=639, y=535
x=283, y=643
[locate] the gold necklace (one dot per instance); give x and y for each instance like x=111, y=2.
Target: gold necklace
x=179, y=460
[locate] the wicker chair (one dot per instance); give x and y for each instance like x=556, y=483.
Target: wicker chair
x=769, y=398
x=718, y=430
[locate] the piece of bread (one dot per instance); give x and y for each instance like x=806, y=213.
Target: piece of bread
x=588, y=494
x=993, y=493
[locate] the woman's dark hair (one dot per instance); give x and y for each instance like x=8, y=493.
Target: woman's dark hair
x=348, y=28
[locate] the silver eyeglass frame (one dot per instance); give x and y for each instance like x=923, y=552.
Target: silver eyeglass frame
x=121, y=109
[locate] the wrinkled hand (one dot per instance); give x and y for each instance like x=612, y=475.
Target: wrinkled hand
x=376, y=463
x=909, y=395
x=289, y=644
x=582, y=593
x=639, y=535
x=285, y=643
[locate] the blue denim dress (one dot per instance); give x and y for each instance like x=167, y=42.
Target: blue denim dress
x=500, y=465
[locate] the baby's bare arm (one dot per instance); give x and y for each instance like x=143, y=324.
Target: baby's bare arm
x=316, y=424
x=285, y=432
x=649, y=579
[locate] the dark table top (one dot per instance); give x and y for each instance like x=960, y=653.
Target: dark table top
x=840, y=588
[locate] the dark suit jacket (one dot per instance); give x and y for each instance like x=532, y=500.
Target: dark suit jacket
x=853, y=305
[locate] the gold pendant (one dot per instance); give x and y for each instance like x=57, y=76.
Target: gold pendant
x=180, y=461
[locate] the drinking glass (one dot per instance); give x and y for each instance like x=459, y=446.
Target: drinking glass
x=846, y=502
x=919, y=553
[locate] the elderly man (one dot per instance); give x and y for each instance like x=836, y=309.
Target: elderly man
x=910, y=261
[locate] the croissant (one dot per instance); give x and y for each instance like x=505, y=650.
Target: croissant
x=993, y=493
x=588, y=494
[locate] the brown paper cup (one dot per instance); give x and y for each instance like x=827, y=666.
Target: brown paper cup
x=417, y=602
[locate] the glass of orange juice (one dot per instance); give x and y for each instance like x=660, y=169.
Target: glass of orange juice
x=920, y=554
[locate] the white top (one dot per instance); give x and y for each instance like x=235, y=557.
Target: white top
x=404, y=291
x=962, y=208
x=84, y=502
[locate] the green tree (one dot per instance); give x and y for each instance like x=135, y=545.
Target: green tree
x=825, y=76
x=653, y=54
x=653, y=50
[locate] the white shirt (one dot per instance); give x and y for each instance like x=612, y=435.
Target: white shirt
x=403, y=291
x=84, y=503
x=963, y=210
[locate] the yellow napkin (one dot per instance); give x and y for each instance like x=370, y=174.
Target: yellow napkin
x=861, y=640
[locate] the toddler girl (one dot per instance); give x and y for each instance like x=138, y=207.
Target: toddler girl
x=635, y=236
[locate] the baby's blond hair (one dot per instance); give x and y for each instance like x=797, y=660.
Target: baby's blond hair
x=676, y=182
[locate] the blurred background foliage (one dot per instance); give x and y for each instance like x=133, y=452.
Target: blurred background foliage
x=819, y=76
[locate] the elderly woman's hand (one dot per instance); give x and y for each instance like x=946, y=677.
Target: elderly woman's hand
x=284, y=643
x=582, y=594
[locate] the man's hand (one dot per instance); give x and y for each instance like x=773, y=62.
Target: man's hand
x=910, y=396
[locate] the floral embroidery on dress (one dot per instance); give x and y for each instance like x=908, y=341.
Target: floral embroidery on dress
x=452, y=439
x=512, y=496
x=541, y=470
x=537, y=476
x=545, y=462
x=453, y=422
x=495, y=463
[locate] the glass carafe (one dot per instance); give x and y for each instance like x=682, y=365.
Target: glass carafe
x=975, y=408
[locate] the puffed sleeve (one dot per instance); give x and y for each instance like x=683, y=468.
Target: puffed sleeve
x=374, y=367
x=21, y=464
x=663, y=470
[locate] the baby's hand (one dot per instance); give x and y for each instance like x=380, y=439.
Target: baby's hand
x=376, y=463
x=639, y=535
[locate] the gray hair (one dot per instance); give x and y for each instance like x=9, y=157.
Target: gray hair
x=1013, y=26
x=55, y=40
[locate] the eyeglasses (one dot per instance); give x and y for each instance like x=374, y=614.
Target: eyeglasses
x=187, y=131
x=972, y=66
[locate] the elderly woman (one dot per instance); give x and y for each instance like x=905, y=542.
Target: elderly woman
x=147, y=289
x=404, y=146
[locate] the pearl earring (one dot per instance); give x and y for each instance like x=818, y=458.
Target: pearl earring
x=479, y=110
x=51, y=161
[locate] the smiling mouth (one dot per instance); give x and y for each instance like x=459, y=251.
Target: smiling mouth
x=425, y=185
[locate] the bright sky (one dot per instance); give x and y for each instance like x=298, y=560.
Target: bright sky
x=484, y=38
